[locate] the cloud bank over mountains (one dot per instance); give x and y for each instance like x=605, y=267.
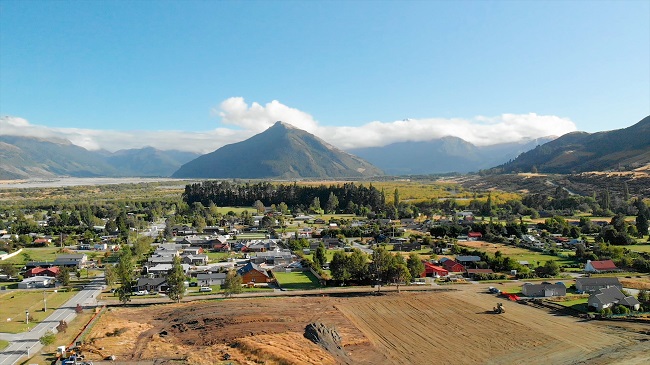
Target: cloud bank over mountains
x=240, y=121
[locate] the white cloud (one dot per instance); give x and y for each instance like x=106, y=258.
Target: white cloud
x=241, y=121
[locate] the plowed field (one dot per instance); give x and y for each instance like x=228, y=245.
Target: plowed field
x=407, y=328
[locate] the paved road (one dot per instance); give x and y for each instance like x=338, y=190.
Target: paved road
x=25, y=343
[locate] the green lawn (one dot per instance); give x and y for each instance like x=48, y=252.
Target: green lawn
x=297, y=280
x=578, y=304
x=15, y=303
x=639, y=248
x=329, y=254
x=3, y=344
x=251, y=236
x=34, y=254
x=219, y=256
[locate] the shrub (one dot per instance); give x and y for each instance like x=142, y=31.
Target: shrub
x=48, y=338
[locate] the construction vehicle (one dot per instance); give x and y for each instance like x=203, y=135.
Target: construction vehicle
x=498, y=309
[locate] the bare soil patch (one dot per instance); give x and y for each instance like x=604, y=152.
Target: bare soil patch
x=406, y=328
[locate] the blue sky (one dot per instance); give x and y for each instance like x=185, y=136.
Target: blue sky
x=336, y=68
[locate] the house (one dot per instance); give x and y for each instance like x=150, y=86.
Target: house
x=331, y=242
x=221, y=247
x=42, y=241
x=192, y=251
x=600, y=266
x=273, y=258
x=195, y=259
x=42, y=271
x=473, y=272
x=468, y=260
x=433, y=270
x=252, y=273
x=453, y=266
x=72, y=260
x=590, y=285
x=543, y=290
x=406, y=246
x=155, y=260
x=609, y=297
x=474, y=236
x=152, y=284
x=161, y=270
x=37, y=282
x=209, y=279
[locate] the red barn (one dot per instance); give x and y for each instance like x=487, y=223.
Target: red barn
x=433, y=270
x=453, y=266
x=474, y=235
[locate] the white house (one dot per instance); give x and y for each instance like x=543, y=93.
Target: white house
x=609, y=297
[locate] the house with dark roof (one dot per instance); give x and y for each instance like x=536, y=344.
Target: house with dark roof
x=600, y=266
x=543, y=290
x=590, y=285
x=609, y=297
x=252, y=273
x=467, y=259
x=72, y=260
x=37, y=282
x=152, y=284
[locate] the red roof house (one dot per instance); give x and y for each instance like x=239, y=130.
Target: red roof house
x=600, y=266
x=453, y=266
x=433, y=270
x=474, y=235
x=39, y=271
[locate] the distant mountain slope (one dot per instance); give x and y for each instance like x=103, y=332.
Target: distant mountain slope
x=281, y=151
x=149, y=161
x=27, y=157
x=447, y=154
x=625, y=148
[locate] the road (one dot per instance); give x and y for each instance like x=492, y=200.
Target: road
x=27, y=343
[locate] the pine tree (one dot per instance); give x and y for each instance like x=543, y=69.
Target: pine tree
x=319, y=256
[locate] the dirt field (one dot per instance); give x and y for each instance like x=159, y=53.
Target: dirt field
x=406, y=328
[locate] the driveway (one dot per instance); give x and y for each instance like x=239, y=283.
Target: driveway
x=27, y=343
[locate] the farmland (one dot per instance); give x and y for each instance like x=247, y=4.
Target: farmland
x=406, y=328
x=517, y=253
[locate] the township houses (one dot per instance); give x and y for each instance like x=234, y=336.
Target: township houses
x=253, y=273
x=590, y=285
x=544, y=290
x=433, y=270
x=152, y=284
x=600, y=266
x=210, y=279
x=194, y=260
x=37, y=282
x=452, y=266
x=611, y=296
x=42, y=271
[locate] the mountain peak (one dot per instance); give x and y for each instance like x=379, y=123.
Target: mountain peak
x=281, y=124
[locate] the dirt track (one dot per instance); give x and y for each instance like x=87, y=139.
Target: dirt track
x=406, y=328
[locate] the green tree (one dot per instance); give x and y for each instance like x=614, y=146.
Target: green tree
x=48, y=338
x=332, y=203
x=358, y=265
x=319, y=256
x=339, y=267
x=396, y=198
x=382, y=262
x=110, y=275
x=551, y=268
x=142, y=246
x=8, y=269
x=232, y=284
x=400, y=275
x=642, y=218
x=315, y=205
x=124, y=269
x=259, y=206
x=176, y=280
x=415, y=265
x=64, y=276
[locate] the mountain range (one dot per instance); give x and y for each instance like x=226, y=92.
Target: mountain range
x=28, y=157
x=626, y=148
x=285, y=152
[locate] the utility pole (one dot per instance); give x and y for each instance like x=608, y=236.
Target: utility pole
x=44, y=302
x=26, y=316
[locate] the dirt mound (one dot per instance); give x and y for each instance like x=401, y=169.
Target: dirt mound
x=326, y=337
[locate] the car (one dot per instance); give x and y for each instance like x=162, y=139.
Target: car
x=141, y=292
x=205, y=289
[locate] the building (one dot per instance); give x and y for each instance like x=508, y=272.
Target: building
x=590, y=285
x=600, y=266
x=611, y=296
x=152, y=284
x=42, y=271
x=209, y=279
x=252, y=273
x=433, y=270
x=453, y=266
x=543, y=290
x=37, y=282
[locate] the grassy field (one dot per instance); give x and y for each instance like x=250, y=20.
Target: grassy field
x=639, y=248
x=519, y=253
x=219, y=256
x=3, y=344
x=34, y=254
x=578, y=304
x=15, y=303
x=297, y=280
